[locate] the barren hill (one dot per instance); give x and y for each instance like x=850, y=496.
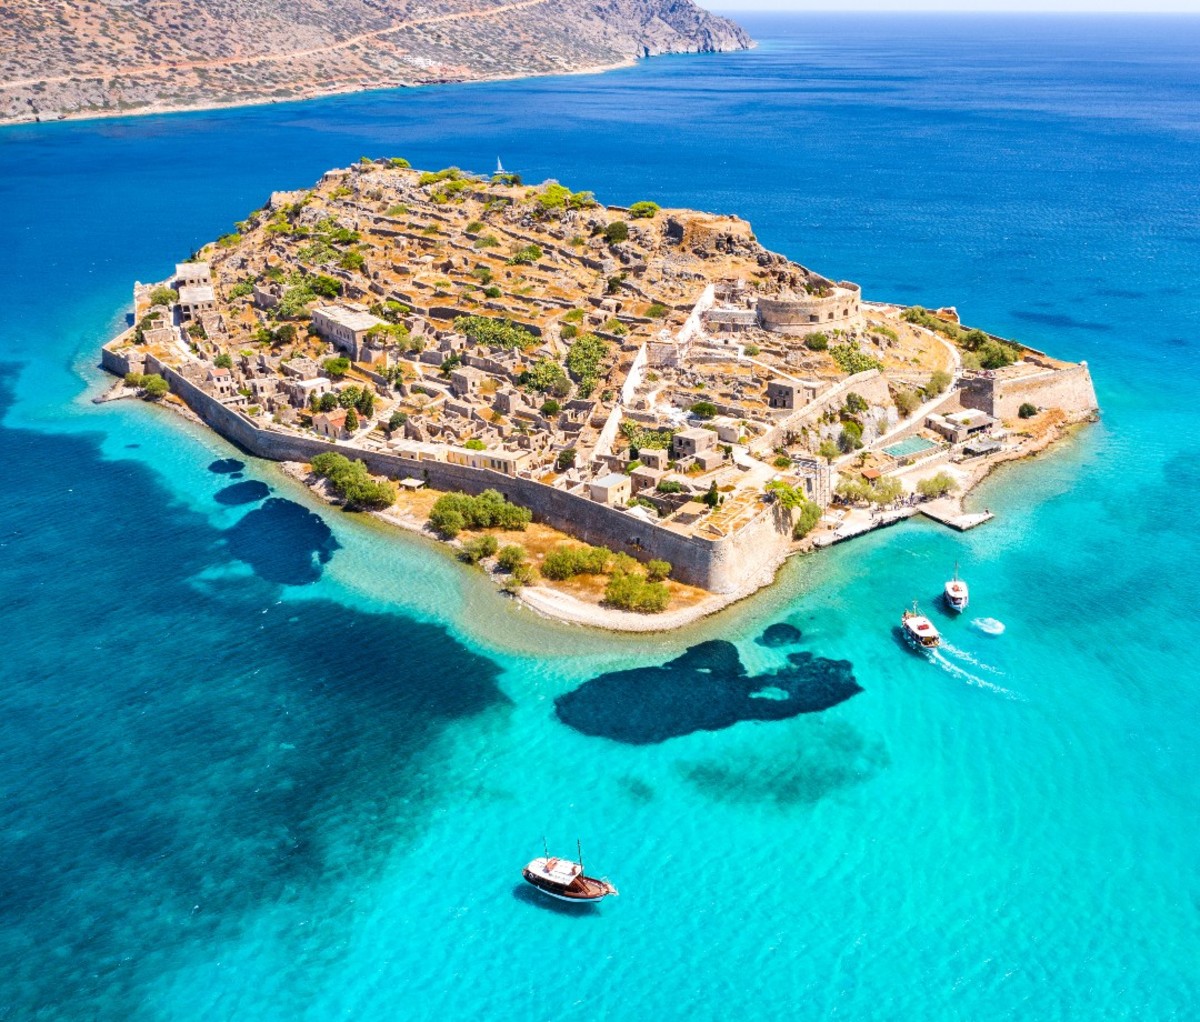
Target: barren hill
x=104, y=57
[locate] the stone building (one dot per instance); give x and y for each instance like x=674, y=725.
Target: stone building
x=192, y=275
x=195, y=299
x=331, y=425
x=614, y=489
x=346, y=325
x=687, y=443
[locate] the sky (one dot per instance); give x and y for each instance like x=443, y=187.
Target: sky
x=1027, y=6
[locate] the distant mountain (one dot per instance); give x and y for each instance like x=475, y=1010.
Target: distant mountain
x=102, y=57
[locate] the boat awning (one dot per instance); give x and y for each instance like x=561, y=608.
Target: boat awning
x=558, y=871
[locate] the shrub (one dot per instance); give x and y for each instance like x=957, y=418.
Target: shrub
x=657, y=311
x=526, y=256
x=639, y=436
x=475, y=550
x=474, y=227
x=223, y=361
x=574, y=316
x=1027, y=411
x=584, y=359
x=486, y=241
x=241, y=289
x=782, y=461
x=751, y=349
x=351, y=481
x=567, y=561
x=154, y=387
x=628, y=591
x=567, y=331
x=856, y=404
x=937, y=486
x=133, y=379
x=851, y=359
x=850, y=438
x=454, y=512
x=494, y=332
x=656, y=570
x=550, y=407
x=492, y=292
x=399, y=162
x=669, y=486
x=703, y=409
x=565, y=459
x=907, y=402
x=805, y=519
x=816, y=342
x=510, y=557
x=336, y=367
x=522, y=575
x=938, y=382
x=164, y=296
x=546, y=375
x=616, y=232
x=643, y=210
x=475, y=445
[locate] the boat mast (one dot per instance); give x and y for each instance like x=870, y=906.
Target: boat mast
x=545, y=849
x=579, y=849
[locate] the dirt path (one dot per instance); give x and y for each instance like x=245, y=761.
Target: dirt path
x=191, y=65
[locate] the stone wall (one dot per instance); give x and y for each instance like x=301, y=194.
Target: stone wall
x=720, y=566
x=1069, y=388
x=871, y=385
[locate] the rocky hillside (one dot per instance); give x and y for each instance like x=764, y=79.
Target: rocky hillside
x=103, y=57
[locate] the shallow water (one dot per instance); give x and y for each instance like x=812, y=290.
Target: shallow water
x=259, y=759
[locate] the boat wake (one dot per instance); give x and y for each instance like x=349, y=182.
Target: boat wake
x=939, y=657
x=963, y=656
x=988, y=625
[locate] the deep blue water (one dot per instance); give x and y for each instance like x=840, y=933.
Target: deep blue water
x=259, y=760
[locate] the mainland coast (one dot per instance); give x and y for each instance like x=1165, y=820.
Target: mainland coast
x=627, y=417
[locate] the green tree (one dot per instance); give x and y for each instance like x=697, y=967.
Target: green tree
x=328, y=402
x=1027, y=411
x=937, y=486
x=643, y=210
x=474, y=444
x=510, y=557
x=907, y=402
x=351, y=420
x=526, y=256
x=816, y=341
x=938, y=382
x=397, y=421
x=223, y=361
x=164, y=296
x=336, y=367
x=616, y=232
x=154, y=387
x=565, y=459
x=657, y=571
x=828, y=450
x=703, y=409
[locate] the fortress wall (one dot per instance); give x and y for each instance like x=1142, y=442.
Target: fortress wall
x=809, y=314
x=1069, y=388
x=716, y=565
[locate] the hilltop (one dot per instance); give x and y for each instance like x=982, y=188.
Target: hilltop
x=100, y=58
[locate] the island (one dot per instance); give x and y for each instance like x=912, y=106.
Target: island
x=98, y=58
x=630, y=417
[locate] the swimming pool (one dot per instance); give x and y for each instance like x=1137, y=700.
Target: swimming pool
x=909, y=446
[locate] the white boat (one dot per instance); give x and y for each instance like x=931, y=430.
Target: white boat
x=956, y=594
x=564, y=880
x=919, y=631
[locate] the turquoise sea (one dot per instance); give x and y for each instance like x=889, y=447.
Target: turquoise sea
x=264, y=761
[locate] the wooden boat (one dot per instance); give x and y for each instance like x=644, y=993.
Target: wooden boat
x=564, y=880
x=919, y=630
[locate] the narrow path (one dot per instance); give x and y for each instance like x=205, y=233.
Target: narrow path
x=190, y=65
